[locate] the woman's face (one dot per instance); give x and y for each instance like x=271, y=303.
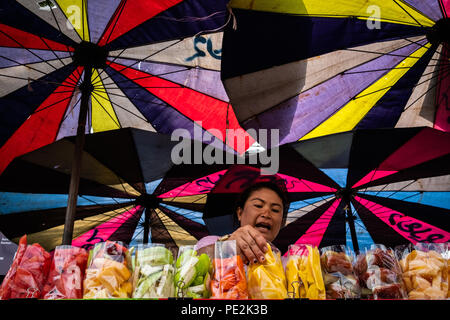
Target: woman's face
x=264, y=211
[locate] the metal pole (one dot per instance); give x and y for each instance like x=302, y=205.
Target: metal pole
x=86, y=89
x=351, y=223
x=146, y=224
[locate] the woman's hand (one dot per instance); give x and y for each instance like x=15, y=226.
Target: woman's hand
x=250, y=243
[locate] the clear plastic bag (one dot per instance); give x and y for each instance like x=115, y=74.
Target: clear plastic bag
x=267, y=280
x=67, y=271
x=229, y=280
x=109, y=272
x=380, y=274
x=425, y=271
x=304, y=273
x=193, y=273
x=154, y=272
x=339, y=277
x=28, y=272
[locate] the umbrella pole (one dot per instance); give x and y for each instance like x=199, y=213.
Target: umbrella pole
x=86, y=89
x=146, y=225
x=351, y=223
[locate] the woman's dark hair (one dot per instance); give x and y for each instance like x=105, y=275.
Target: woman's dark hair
x=243, y=197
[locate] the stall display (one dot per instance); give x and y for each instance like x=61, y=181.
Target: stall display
x=338, y=274
x=154, y=272
x=109, y=272
x=425, y=271
x=193, y=273
x=28, y=272
x=380, y=274
x=229, y=279
x=267, y=280
x=67, y=271
x=303, y=272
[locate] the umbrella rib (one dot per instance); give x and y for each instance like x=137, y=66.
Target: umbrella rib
x=53, y=51
x=51, y=105
x=57, y=24
x=67, y=113
x=27, y=49
x=318, y=84
x=137, y=235
x=390, y=194
x=388, y=87
x=443, y=11
x=396, y=191
x=409, y=14
x=110, y=215
x=422, y=45
x=136, y=99
x=106, y=217
x=144, y=59
x=359, y=205
x=386, y=54
x=29, y=66
x=153, y=75
x=116, y=20
x=412, y=87
x=37, y=80
x=188, y=215
x=94, y=94
x=356, y=17
x=413, y=195
x=376, y=70
x=447, y=71
x=125, y=109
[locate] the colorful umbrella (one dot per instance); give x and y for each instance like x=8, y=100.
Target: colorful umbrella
x=73, y=66
x=311, y=68
x=119, y=172
x=386, y=186
x=155, y=66
x=394, y=189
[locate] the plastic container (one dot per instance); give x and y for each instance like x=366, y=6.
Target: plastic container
x=28, y=272
x=229, y=279
x=304, y=273
x=339, y=277
x=67, y=272
x=267, y=280
x=380, y=274
x=193, y=273
x=425, y=271
x=109, y=272
x=154, y=272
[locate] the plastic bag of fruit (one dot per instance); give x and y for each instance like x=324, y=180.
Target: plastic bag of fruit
x=28, y=272
x=267, y=280
x=154, y=272
x=229, y=280
x=380, y=274
x=67, y=271
x=109, y=272
x=338, y=274
x=193, y=273
x=425, y=271
x=304, y=273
